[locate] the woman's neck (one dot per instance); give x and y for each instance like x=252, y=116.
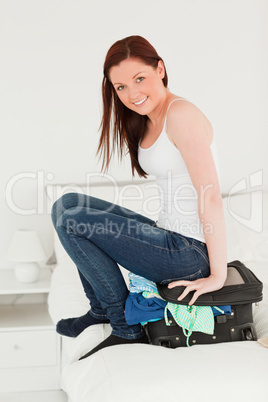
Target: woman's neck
x=158, y=114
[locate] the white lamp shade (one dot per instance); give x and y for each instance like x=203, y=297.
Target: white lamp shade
x=26, y=246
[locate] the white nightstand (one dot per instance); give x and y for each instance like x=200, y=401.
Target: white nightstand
x=29, y=344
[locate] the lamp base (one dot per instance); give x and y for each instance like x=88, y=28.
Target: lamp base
x=27, y=272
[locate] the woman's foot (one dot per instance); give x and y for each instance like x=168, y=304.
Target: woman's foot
x=113, y=340
x=74, y=326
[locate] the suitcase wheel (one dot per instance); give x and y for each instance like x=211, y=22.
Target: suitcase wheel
x=165, y=344
x=248, y=334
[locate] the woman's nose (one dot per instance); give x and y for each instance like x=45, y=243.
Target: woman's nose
x=134, y=94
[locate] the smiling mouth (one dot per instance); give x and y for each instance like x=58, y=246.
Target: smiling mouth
x=141, y=102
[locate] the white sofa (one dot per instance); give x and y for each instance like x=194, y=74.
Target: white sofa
x=221, y=372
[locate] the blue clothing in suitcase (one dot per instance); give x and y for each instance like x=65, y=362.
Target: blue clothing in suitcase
x=139, y=309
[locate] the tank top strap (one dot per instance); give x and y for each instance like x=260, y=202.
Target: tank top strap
x=177, y=99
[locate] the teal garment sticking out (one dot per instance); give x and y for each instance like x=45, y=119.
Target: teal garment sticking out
x=192, y=318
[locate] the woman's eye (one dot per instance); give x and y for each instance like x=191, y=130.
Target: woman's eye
x=121, y=87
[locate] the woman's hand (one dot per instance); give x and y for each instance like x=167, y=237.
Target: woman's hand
x=202, y=285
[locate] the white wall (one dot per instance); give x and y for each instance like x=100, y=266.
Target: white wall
x=52, y=54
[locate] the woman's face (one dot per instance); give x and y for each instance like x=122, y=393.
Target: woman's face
x=138, y=86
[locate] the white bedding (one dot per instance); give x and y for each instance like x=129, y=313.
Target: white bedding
x=230, y=372
x=120, y=373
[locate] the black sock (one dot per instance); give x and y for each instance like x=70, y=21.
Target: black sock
x=113, y=340
x=74, y=326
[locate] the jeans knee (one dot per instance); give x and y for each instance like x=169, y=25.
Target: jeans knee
x=66, y=201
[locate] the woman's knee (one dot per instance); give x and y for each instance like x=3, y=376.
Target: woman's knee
x=66, y=201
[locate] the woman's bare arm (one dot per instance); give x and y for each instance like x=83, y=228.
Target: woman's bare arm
x=188, y=128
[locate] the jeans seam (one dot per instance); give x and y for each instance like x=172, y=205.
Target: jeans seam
x=182, y=238
x=142, y=241
x=131, y=336
x=87, y=257
x=97, y=315
x=189, y=277
x=201, y=252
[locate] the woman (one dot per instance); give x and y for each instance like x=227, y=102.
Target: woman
x=166, y=136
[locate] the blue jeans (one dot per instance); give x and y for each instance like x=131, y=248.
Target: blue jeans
x=99, y=235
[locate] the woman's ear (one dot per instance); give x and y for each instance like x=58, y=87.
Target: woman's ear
x=161, y=69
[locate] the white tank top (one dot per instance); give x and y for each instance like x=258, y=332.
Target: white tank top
x=178, y=197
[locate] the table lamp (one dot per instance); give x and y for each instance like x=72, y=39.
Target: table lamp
x=26, y=249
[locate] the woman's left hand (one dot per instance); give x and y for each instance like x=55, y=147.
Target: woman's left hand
x=202, y=285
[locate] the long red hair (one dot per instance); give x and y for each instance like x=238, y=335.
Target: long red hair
x=127, y=126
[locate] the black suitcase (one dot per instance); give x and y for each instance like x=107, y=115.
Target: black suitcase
x=241, y=289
